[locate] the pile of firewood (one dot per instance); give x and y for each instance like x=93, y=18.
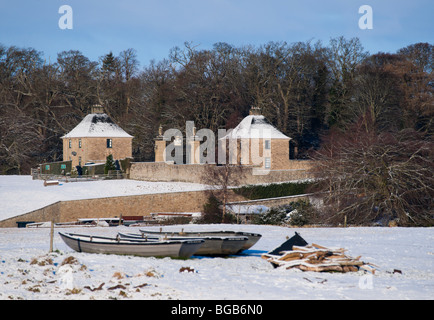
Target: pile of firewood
x=317, y=258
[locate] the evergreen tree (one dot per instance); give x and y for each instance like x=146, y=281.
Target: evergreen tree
x=109, y=164
x=109, y=65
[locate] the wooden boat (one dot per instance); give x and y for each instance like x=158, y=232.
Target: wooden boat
x=252, y=238
x=213, y=245
x=139, y=247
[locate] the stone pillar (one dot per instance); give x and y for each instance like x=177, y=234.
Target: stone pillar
x=193, y=143
x=160, y=146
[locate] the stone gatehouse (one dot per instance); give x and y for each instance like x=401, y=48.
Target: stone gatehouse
x=94, y=138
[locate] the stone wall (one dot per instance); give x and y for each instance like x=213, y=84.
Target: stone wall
x=280, y=154
x=48, y=213
x=95, y=149
x=138, y=205
x=161, y=171
x=143, y=205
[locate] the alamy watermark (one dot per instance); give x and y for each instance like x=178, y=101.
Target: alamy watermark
x=366, y=282
x=366, y=21
x=250, y=147
x=66, y=277
x=66, y=20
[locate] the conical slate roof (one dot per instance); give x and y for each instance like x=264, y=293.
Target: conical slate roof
x=255, y=127
x=97, y=125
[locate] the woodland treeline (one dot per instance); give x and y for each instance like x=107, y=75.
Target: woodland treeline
x=366, y=118
x=304, y=89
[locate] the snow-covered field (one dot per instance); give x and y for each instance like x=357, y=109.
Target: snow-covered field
x=28, y=271
x=21, y=194
x=97, y=276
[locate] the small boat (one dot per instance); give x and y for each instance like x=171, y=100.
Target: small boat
x=138, y=247
x=212, y=246
x=252, y=238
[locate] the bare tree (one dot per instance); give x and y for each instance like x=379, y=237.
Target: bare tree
x=78, y=74
x=378, y=94
x=20, y=141
x=368, y=177
x=221, y=179
x=417, y=78
x=344, y=57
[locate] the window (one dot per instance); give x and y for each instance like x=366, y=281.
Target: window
x=267, y=144
x=267, y=163
x=79, y=143
x=79, y=161
x=70, y=143
x=109, y=143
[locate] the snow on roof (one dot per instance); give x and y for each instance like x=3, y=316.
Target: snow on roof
x=97, y=125
x=257, y=127
x=247, y=209
x=179, y=214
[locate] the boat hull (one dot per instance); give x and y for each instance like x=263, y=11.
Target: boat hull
x=253, y=238
x=173, y=249
x=212, y=246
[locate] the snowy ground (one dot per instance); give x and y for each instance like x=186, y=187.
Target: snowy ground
x=21, y=194
x=246, y=277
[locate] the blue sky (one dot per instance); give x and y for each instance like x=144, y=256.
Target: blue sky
x=153, y=27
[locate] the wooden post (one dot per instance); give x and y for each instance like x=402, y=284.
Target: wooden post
x=51, y=236
x=345, y=221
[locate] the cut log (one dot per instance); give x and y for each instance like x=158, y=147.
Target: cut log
x=318, y=246
x=350, y=269
x=321, y=268
x=317, y=258
x=51, y=183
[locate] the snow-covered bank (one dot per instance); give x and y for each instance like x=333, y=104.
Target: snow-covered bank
x=96, y=276
x=21, y=194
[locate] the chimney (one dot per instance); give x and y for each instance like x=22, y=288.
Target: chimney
x=255, y=111
x=97, y=109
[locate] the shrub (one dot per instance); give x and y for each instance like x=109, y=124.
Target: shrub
x=109, y=164
x=274, y=190
x=296, y=213
x=274, y=216
x=302, y=213
x=212, y=212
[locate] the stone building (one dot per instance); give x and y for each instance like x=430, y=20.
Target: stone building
x=94, y=138
x=256, y=142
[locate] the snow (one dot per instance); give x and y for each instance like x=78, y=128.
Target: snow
x=247, y=209
x=21, y=194
x=97, y=125
x=244, y=277
x=255, y=127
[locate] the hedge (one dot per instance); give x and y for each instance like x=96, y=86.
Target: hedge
x=274, y=190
